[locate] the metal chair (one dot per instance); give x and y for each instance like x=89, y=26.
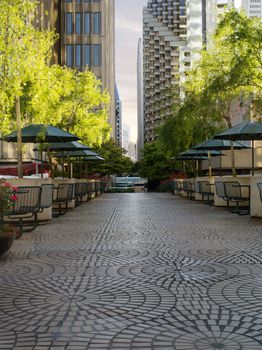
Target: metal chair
x=206, y=192
x=64, y=195
x=25, y=207
x=234, y=194
x=188, y=189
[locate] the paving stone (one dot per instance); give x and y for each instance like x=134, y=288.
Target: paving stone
x=135, y=271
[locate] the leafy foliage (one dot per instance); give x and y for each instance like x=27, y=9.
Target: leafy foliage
x=227, y=75
x=156, y=163
x=115, y=160
x=51, y=95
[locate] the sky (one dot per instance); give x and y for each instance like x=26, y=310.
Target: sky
x=128, y=30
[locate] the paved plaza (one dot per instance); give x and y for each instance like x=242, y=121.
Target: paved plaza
x=135, y=271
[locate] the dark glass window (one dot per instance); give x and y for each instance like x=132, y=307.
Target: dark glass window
x=97, y=22
x=87, y=55
x=69, y=23
x=69, y=55
x=87, y=22
x=78, y=56
x=97, y=51
x=78, y=23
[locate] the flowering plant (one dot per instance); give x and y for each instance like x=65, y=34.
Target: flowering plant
x=7, y=199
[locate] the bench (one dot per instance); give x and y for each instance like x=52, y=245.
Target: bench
x=188, y=188
x=64, y=195
x=234, y=194
x=206, y=192
x=25, y=207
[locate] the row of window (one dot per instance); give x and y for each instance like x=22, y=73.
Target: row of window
x=83, y=23
x=83, y=55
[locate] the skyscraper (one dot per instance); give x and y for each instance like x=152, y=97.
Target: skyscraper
x=86, y=41
x=140, y=100
x=172, y=33
x=253, y=8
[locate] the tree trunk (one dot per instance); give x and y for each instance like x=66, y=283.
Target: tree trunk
x=19, y=138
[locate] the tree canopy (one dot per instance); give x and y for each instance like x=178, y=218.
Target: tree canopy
x=227, y=76
x=49, y=94
x=116, y=162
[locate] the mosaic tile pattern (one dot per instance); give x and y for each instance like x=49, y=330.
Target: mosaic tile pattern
x=135, y=271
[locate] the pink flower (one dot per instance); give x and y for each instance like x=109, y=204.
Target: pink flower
x=13, y=197
x=7, y=184
x=15, y=189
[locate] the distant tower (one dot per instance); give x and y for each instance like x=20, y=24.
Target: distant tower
x=140, y=101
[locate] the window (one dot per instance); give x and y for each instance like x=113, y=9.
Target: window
x=97, y=23
x=69, y=23
x=97, y=55
x=87, y=23
x=69, y=55
x=87, y=55
x=78, y=55
x=78, y=23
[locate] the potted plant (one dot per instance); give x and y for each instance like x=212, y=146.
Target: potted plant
x=8, y=232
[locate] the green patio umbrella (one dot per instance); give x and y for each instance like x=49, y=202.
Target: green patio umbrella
x=73, y=146
x=219, y=145
x=204, y=153
x=246, y=131
x=40, y=133
x=82, y=155
x=193, y=157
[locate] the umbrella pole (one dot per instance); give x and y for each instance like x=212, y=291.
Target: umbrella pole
x=184, y=167
x=197, y=168
x=19, y=138
x=233, y=159
x=63, y=167
x=41, y=160
x=220, y=160
x=209, y=165
x=253, y=158
x=86, y=169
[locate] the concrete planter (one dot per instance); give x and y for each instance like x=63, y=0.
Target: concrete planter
x=255, y=201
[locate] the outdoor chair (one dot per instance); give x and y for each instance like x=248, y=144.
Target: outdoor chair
x=220, y=190
x=177, y=187
x=206, y=192
x=234, y=194
x=188, y=188
x=24, y=208
x=259, y=185
x=78, y=194
x=64, y=195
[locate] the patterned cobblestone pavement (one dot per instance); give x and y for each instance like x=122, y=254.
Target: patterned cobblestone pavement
x=135, y=271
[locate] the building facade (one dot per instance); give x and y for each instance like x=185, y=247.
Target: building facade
x=253, y=8
x=118, y=136
x=140, y=100
x=88, y=42
x=172, y=33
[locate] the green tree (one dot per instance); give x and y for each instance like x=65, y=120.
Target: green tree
x=116, y=162
x=24, y=52
x=156, y=163
x=227, y=74
x=74, y=101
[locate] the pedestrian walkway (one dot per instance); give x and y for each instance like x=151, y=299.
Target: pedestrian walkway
x=135, y=271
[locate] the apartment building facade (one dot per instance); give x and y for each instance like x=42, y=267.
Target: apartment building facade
x=173, y=31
